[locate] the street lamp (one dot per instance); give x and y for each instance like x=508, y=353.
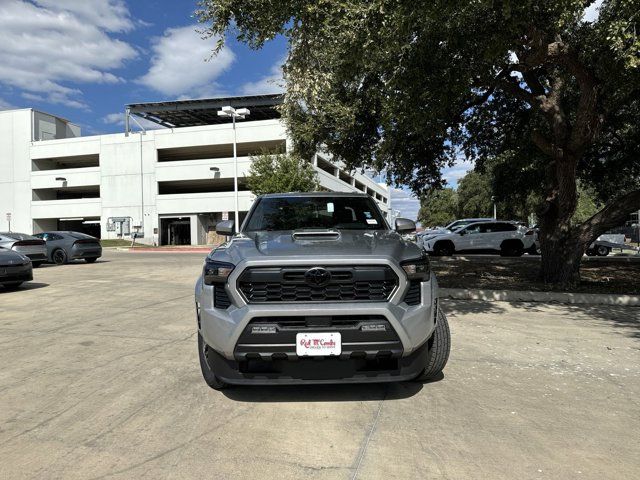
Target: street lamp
x=234, y=113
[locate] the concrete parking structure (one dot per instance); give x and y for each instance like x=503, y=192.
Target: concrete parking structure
x=100, y=379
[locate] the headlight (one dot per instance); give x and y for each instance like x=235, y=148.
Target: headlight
x=216, y=272
x=417, y=269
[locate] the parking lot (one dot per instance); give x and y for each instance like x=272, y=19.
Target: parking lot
x=100, y=379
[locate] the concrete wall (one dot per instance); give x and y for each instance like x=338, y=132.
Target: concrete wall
x=15, y=171
x=128, y=174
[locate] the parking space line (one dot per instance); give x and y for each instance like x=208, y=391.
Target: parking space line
x=365, y=445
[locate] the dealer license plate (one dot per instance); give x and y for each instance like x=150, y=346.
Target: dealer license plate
x=318, y=344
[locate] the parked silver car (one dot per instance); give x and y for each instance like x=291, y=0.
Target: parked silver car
x=63, y=246
x=15, y=268
x=28, y=245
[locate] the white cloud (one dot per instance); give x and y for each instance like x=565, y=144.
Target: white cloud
x=53, y=42
x=406, y=202
x=592, y=12
x=456, y=172
x=110, y=15
x=179, y=65
x=5, y=105
x=273, y=82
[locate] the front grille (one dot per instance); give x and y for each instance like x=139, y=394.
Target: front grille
x=412, y=297
x=220, y=297
x=289, y=284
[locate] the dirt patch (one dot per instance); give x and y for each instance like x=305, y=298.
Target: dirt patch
x=619, y=275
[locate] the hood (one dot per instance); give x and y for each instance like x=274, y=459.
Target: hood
x=9, y=257
x=345, y=243
x=436, y=233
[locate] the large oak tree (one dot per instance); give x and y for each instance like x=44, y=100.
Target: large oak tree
x=411, y=85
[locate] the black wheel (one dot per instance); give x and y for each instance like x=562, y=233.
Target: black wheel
x=443, y=249
x=602, y=251
x=439, y=348
x=12, y=285
x=59, y=257
x=533, y=250
x=512, y=249
x=212, y=380
x=91, y=260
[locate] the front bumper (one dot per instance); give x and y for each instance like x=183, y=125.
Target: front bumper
x=18, y=273
x=318, y=370
x=222, y=328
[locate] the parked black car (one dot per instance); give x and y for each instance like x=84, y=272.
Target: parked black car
x=15, y=268
x=65, y=246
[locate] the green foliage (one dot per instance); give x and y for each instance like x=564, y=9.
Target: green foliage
x=587, y=205
x=474, y=195
x=277, y=173
x=438, y=208
x=409, y=83
x=407, y=86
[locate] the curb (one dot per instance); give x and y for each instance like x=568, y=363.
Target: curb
x=549, y=297
x=164, y=250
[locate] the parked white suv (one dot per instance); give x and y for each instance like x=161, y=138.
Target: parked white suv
x=480, y=237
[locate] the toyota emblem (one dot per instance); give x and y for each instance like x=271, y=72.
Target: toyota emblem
x=317, y=276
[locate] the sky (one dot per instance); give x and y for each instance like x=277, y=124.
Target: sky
x=85, y=60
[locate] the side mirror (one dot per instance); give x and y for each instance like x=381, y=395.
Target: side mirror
x=225, y=228
x=404, y=225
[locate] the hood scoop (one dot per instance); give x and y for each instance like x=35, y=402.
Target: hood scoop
x=315, y=235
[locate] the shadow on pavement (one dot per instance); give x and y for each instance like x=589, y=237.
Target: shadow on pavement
x=24, y=286
x=625, y=318
x=326, y=393
x=454, y=307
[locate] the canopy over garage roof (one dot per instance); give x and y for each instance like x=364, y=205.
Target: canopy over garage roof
x=190, y=113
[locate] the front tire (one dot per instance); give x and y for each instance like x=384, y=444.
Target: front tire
x=212, y=380
x=439, y=348
x=443, y=249
x=602, y=251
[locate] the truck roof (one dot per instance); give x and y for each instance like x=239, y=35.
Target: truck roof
x=314, y=194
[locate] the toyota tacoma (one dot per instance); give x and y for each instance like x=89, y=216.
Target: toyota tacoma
x=317, y=288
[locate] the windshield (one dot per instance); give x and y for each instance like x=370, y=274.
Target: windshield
x=18, y=236
x=293, y=213
x=458, y=224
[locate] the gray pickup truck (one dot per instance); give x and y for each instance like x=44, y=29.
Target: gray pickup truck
x=317, y=288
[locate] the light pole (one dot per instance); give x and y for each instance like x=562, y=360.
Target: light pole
x=235, y=113
x=495, y=211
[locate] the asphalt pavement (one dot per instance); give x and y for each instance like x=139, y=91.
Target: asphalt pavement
x=100, y=379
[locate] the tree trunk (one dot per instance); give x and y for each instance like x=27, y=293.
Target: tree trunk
x=563, y=244
x=560, y=242
x=561, y=257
